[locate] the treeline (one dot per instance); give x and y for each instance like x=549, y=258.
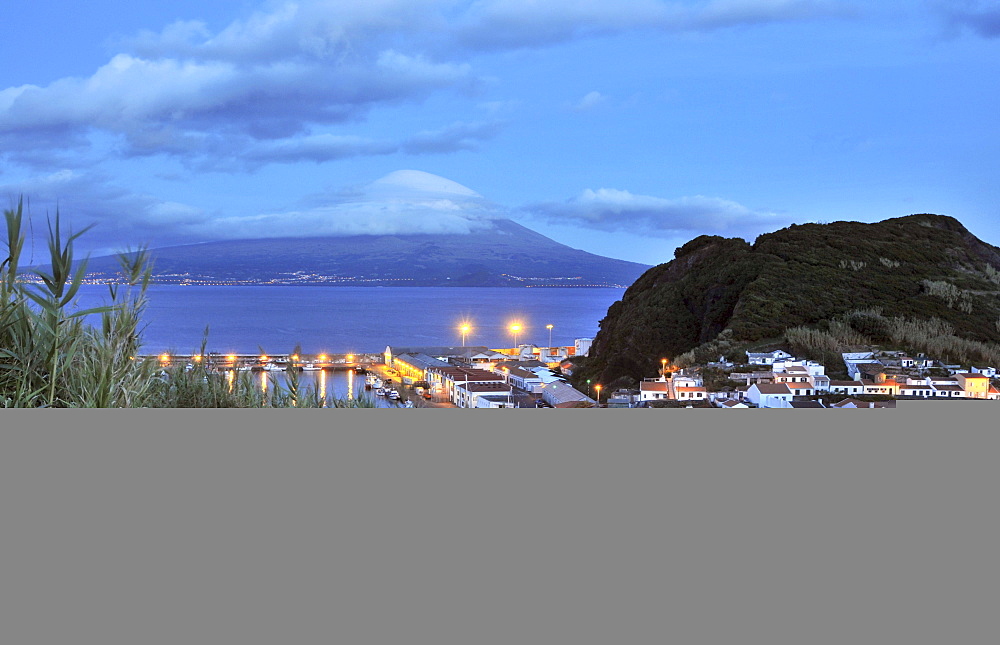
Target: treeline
x=50, y=356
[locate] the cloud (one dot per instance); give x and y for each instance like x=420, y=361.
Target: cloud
x=401, y=203
x=590, y=100
x=982, y=18
x=87, y=198
x=317, y=148
x=212, y=152
x=457, y=136
x=292, y=69
x=619, y=210
x=509, y=24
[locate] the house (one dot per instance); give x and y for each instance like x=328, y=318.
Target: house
x=562, y=394
x=801, y=405
x=467, y=395
x=622, y=399
x=847, y=387
x=731, y=404
x=767, y=358
x=821, y=382
x=654, y=390
x=802, y=389
x=769, y=395
x=871, y=371
x=447, y=379
x=494, y=401
x=991, y=372
x=886, y=386
x=850, y=403
x=795, y=375
x=690, y=393
x=521, y=378
x=976, y=386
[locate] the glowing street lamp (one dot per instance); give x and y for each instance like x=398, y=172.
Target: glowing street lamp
x=598, y=388
x=465, y=329
x=515, y=329
x=549, y=327
x=663, y=367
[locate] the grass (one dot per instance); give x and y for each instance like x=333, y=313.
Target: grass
x=51, y=357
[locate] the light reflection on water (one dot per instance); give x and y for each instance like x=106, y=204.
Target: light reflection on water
x=331, y=385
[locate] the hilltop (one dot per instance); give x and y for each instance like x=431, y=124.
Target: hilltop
x=507, y=255
x=726, y=293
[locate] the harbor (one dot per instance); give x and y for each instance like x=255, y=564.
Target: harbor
x=410, y=376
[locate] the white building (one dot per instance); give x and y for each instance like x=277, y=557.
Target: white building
x=769, y=395
x=582, y=346
x=767, y=358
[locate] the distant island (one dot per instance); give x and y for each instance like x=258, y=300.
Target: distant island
x=506, y=255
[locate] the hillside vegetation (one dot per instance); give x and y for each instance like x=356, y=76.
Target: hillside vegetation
x=879, y=280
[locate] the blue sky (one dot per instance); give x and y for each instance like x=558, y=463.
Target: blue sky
x=623, y=128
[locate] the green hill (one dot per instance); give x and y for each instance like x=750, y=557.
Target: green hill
x=912, y=268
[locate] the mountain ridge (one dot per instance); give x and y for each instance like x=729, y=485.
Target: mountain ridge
x=508, y=254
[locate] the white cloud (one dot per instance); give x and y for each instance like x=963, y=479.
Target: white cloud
x=292, y=68
x=619, y=210
x=590, y=100
x=403, y=202
x=87, y=198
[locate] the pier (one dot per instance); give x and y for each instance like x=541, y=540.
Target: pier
x=220, y=362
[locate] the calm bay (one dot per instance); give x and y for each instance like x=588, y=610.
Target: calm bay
x=246, y=319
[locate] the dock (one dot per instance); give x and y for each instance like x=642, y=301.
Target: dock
x=220, y=362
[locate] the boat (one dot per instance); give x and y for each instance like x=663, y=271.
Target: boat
x=380, y=391
x=394, y=395
x=310, y=367
x=360, y=370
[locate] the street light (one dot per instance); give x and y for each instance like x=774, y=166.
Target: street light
x=663, y=368
x=515, y=329
x=465, y=329
x=598, y=388
x=549, y=327
x=588, y=387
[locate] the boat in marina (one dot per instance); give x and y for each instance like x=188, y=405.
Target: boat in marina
x=311, y=367
x=380, y=391
x=394, y=395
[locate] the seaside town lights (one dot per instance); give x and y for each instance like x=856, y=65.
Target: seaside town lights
x=465, y=329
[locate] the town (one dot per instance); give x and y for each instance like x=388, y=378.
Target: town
x=529, y=376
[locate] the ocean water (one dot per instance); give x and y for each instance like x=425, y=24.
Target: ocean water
x=336, y=320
